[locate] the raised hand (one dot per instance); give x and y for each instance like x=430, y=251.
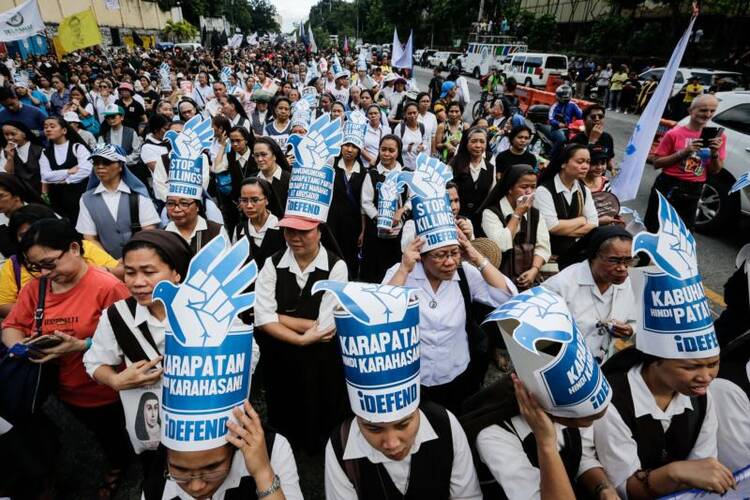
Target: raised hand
x=673, y=247
x=201, y=309
x=429, y=177
x=322, y=141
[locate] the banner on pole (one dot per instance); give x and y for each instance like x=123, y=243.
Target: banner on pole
x=21, y=22
x=79, y=31
x=625, y=185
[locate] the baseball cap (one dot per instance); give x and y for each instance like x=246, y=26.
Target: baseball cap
x=125, y=86
x=71, y=117
x=299, y=223
x=113, y=109
x=108, y=152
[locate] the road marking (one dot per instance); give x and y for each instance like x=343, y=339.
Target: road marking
x=717, y=300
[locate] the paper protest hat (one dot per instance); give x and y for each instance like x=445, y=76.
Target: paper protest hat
x=311, y=184
x=355, y=128
x=676, y=319
x=431, y=207
x=377, y=327
x=301, y=114
x=186, y=159
x=550, y=354
x=310, y=94
x=207, y=352
x=389, y=192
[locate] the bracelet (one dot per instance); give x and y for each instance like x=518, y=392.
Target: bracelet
x=604, y=485
x=275, y=486
x=642, y=476
x=483, y=264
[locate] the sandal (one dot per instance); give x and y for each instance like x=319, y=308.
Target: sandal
x=111, y=484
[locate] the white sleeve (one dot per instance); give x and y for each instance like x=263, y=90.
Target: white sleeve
x=48, y=175
x=706, y=444
x=546, y=206
x=495, y=230
x=284, y=465
x=408, y=233
x=482, y=292
x=146, y=212
x=733, y=422
x=543, y=246
x=149, y=153
x=464, y=482
x=368, y=195
x=503, y=454
x=206, y=171
x=84, y=165
x=589, y=209
x=339, y=273
x=85, y=224
x=159, y=178
x=136, y=145
x=265, y=296
x=104, y=348
x=616, y=449
x=588, y=452
x=337, y=485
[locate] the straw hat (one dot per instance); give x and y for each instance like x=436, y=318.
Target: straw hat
x=489, y=249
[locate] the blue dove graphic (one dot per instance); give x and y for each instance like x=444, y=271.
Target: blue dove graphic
x=429, y=177
x=673, y=247
x=196, y=136
x=200, y=311
x=322, y=141
x=542, y=315
x=369, y=303
x=742, y=182
x=226, y=72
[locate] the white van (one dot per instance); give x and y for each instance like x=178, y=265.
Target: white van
x=480, y=56
x=535, y=68
x=188, y=46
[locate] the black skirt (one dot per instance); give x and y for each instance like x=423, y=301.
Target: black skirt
x=378, y=254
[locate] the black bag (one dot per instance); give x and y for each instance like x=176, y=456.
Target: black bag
x=25, y=386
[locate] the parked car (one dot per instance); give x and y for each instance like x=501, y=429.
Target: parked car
x=421, y=56
x=717, y=209
x=533, y=69
x=187, y=46
x=707, y=77
x=442, y=59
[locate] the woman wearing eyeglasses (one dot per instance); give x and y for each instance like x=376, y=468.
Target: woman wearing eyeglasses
x=598, y=290
x=76, y=294
x=260, y=218
x=187, y=218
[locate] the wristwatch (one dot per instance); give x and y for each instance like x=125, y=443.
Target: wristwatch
x=275, y=486
x=483, y=264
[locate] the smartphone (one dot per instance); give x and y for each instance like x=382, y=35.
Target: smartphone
x=44, y=342
x=709, y=133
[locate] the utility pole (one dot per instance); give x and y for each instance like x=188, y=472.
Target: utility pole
x=481, y=11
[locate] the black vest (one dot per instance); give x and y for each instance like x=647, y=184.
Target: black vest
x=70, y=159
x=656, y=448
x=431, y=466
x=153, y=484
x=202, y=237
x=290, y=299
x=347, y=195
x=280, y=188
x=273, y=241
x=29, y=170
x=472, y=193
x=561, y=245
x=529, y=221
x=734, y=361
x=239, y=173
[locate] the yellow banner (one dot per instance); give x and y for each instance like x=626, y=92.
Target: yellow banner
x=79, y=31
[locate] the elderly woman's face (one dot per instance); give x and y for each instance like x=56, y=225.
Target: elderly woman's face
x=610, y=263
x=442, y=263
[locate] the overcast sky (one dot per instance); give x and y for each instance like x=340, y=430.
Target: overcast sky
x=292, y=11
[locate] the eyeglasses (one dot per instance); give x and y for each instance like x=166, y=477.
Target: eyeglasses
x=206, y=476
x=47, y=264
x=251, y=201
x=443, y=256
x=620, y=261
x=184, y=205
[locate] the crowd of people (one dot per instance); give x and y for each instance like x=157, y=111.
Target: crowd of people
x=97, y=208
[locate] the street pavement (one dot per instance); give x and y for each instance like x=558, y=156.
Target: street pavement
x=716, y=253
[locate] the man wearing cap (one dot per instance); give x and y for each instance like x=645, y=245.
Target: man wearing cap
x=397, y=445
x=202, y=92
x=594, y=133
x=660, y=433
x=112, y=201
x=341, y=89
x=31, y=98
x=118, y=134
x=539, y=443
x=134, y=113
x=260, y=116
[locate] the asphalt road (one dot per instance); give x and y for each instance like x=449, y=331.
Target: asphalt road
x=716, y=253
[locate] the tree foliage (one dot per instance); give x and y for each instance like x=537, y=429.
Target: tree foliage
x=248, y=15
x=182, y=31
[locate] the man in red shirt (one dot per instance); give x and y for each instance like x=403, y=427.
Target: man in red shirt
x=685, y=162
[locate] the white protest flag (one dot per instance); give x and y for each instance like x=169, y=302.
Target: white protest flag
x=313, y=45
x=625, y=185
x=21, y=22
x=405, y=61
x=396, y=50
x=235, y=41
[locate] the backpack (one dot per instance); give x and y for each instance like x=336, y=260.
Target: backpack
x=402, y=129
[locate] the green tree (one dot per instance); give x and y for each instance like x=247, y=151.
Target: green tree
x=181, y=31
